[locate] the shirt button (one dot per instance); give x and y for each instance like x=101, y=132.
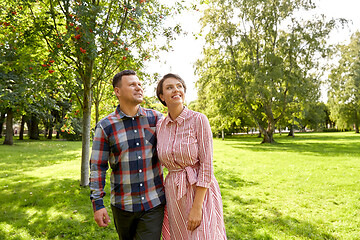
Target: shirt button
x=140, y=184
x=137, y=144
x=135, y=131
x=140, y=170
x=142, y=198
x=133, y=118
x=139, y=157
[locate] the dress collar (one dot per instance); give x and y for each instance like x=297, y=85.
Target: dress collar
x=180, y=119
x=120, y=114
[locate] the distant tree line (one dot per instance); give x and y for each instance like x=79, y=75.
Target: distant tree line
x=262, y=67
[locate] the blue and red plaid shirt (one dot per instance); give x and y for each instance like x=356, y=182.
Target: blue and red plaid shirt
x=128, y=145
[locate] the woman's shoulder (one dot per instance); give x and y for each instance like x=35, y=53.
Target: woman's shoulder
x=198, y=116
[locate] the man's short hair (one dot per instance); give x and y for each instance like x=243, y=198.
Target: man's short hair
x=116, y=82
x=159, y=88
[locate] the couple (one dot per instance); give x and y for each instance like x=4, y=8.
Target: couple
x=132, y=140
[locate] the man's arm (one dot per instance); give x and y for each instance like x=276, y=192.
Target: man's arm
x=98, y=167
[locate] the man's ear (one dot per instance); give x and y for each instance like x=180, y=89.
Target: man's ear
x=117, y=91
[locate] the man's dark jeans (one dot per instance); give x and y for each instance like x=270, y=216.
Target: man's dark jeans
x=139, y=225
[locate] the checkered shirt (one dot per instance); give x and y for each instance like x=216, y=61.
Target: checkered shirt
x=128, y=145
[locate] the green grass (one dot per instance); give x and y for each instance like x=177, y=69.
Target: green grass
x=41, y=197
x=307, y=187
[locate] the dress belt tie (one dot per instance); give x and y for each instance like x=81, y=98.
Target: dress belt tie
x=183, y=175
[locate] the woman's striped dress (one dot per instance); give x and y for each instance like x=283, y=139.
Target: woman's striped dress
x=184, y=147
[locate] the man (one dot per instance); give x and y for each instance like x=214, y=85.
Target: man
x=126, y=140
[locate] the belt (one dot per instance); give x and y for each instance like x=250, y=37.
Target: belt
x=184, y=175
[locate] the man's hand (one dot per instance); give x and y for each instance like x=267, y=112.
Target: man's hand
x=101, y=217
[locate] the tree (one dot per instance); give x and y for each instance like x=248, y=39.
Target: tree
x=344, y=92
x=313, y=116
x=262, y=57
x=24, y=73
x=95, y=34
x=13, y=64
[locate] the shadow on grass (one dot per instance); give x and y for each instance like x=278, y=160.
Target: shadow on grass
x=242, y=225
x=56, y=210
x=242, y=222
x=38, y=204
x=323, y=144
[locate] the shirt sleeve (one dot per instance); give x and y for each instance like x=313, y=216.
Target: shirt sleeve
x=205, y=151
x=159, y=116
x=98, y=166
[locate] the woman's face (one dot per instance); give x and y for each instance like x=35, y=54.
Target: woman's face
x=173, y=92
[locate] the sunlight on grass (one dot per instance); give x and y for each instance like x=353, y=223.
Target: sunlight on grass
x=299, y=188
x=305, y=187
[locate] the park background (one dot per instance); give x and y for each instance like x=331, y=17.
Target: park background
x=256, y=69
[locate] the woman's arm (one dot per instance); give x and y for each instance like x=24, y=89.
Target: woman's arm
x=205, y=152
x=195, y=214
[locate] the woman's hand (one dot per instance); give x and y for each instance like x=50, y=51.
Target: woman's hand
x=194, y=218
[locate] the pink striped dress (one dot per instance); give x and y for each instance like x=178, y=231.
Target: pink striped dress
x=184, y=147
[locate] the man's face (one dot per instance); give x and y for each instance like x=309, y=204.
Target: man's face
x=130, y=90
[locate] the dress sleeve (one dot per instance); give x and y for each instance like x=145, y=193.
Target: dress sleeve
x=98, y=166
x=205, y=151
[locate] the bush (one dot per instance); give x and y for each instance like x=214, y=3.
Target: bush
x=335, y=130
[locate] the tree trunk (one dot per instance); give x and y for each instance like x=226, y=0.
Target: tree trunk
x=50, y=132
x=85, y=154
x=2, y=120
x=46, y=132
x=268, y=138
x=269, y=133
x=97, y=114
x=291, y=131
x=22, y=126
x=34, y=128
x=9, y=127
x=356, y=122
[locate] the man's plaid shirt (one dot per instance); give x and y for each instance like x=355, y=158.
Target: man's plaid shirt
x=128, y=144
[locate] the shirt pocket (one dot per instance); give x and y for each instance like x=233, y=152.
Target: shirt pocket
x=149, y=135
x=188, y=145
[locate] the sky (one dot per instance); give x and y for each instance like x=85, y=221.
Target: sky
x=187, y=50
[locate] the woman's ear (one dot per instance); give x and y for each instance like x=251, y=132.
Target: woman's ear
x=162, y=97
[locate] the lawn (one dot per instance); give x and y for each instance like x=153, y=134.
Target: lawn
x=305, y=187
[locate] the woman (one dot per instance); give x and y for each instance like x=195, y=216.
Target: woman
x=184, y=146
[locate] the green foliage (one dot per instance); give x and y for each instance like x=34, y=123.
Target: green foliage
x=260, y=61
x=314, y=116
x=154, y=103
x=344, y=92
x=71, y=129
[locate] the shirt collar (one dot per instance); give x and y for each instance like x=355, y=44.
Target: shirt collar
x=120, y=114
x=180, y=119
